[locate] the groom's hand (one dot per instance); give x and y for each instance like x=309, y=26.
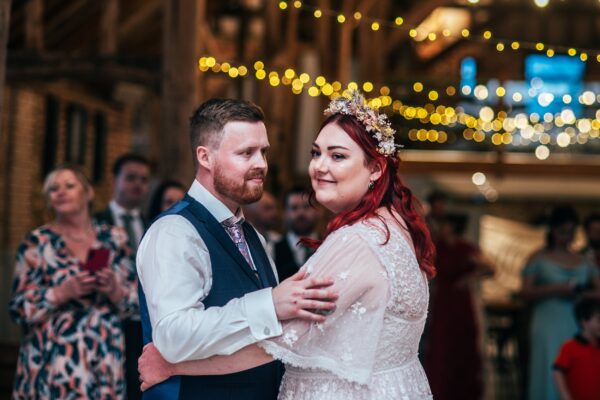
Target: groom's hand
x=304, y=298
x=153, y=368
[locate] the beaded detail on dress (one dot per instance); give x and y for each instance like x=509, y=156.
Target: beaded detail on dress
x=368, y=349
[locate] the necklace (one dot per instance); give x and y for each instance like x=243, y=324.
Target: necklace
x=81, y=238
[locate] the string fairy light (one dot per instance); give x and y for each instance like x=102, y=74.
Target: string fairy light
x=495, y=128
x=486, y=37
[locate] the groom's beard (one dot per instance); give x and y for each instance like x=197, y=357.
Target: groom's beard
x=240, y=192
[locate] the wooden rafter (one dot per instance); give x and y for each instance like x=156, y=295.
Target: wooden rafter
x=69, y=11
x=4, y=24
x=34, y=25
x=413, y=18
x=24, y=66
x=137, y=19
x=179, y=83
x=109, y=28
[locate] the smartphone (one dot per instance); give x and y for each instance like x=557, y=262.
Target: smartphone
x=97, y=259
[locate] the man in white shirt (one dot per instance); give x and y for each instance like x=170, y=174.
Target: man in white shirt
x=264, y=216
x=208, y=285
x=131, y=175
x=300, y=220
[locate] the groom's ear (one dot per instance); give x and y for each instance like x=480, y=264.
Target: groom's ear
x=204, y=157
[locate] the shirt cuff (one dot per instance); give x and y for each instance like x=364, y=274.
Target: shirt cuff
x=261, y=316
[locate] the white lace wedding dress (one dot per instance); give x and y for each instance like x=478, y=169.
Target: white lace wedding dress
x=367, y=349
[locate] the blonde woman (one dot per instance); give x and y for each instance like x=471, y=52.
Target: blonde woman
x=73, y=282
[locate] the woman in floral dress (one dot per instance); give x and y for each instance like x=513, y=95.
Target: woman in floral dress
x=73, y=343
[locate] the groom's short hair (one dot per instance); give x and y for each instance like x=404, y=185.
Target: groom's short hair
x=208, y=121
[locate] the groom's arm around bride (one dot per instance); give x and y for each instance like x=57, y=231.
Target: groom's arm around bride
x=207, y=285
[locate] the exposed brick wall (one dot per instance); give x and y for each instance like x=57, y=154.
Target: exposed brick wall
x=22, y=205
x=22, y=161
x=27, y=127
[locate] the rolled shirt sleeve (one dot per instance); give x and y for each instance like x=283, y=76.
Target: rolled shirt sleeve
x=175, y=271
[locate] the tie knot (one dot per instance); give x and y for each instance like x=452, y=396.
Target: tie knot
x=232, y=222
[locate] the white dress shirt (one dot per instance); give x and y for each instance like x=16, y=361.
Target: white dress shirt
x=137, y=223
x=300, y=253
x=272, y=237
x=174, y=268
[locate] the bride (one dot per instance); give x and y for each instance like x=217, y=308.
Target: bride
x=377, y=248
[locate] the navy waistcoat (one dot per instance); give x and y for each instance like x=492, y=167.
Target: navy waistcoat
x=232, y=278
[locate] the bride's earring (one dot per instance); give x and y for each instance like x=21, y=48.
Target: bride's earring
x=371, y=185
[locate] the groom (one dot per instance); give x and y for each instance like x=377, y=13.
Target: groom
x=207, y=286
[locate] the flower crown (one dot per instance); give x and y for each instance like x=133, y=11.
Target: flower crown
x=377, y=124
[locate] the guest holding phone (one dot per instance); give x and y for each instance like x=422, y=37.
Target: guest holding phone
x=73, y=283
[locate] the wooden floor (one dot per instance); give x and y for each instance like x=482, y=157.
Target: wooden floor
x=8, y=359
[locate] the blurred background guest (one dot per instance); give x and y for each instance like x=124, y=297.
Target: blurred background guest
x=165, y=195
x=453, y=360
x=73, y=281
x=591, y=226
x=300, y=221
x=438, y=207
x=551, y=280
x=264, y=216
x=577, y=367
x=131, y=176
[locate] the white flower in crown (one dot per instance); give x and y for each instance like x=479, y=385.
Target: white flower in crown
x=377, y=124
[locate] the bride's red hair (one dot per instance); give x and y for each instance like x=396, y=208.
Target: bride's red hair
x=389, y=192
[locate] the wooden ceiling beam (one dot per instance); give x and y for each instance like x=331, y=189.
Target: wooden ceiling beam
x=69, y=11
x=109, y=28
x=136, y=20
x=4, y=25
x=25, y=67
x=412, y=19
x=34, y=25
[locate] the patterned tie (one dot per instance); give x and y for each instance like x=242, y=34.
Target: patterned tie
x=234, y=229
x=128, y=225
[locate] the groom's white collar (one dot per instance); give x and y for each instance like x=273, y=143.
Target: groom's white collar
x=212, y=204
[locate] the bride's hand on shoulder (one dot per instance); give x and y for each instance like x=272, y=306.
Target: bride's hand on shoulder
x=153, y=368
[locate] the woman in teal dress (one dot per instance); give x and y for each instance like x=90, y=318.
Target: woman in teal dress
x=552, y=279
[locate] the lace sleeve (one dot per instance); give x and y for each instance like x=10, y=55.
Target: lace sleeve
x=345, y=344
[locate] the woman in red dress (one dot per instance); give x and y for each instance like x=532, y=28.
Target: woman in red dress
x=453, y=361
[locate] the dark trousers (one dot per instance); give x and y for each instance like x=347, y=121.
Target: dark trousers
x=133, y=351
